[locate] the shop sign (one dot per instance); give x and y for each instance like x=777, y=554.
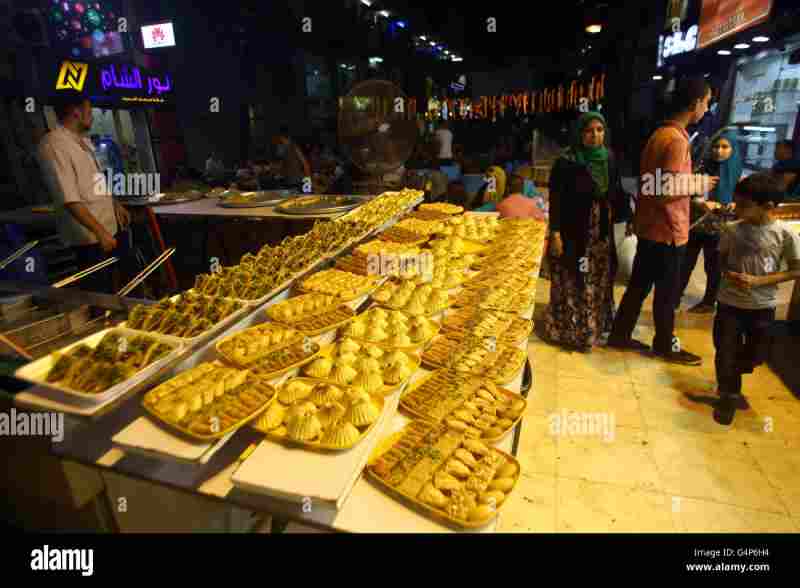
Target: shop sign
x=721, y=18
x=114, y=84
x=678, y=42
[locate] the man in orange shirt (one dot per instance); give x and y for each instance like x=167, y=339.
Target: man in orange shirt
x=662, y=226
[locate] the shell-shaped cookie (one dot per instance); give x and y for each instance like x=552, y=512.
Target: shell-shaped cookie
x=376, y=334
x=294, y=391
x=273, y=418
x=320, y=368
x=348, y=346
x=325, y=393
x=347, y=359
x=343, y=374
x=396, y=358
x=372, y=351
x=367, y=364
x=363, y=412
x=304, y=427
x=342, y=435
x=396, y=374
x=355, y=329
x=330, y=413
x=401, y=340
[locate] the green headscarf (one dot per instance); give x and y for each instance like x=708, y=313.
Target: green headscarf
x=596, y=158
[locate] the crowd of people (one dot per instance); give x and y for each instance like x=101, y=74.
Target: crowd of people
x=743, y=258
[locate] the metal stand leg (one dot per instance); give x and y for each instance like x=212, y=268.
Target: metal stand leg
x=172, y=280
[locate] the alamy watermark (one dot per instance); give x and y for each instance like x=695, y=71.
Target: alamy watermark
x=666, y=184
x=117, y=184
x=39, y=424
x=63, y=560
x=392, y=264
x=583, y=424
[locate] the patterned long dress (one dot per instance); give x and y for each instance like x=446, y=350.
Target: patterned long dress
x=578, y=317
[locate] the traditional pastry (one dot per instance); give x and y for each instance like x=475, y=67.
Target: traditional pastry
x=430, y=495
x=293, y=392
x=304, y=427
x=274, y=416
x=330, y=413
x=320, y=368
x=363, y=411
x=325, y=393
x=343, y=374
x=342, y=435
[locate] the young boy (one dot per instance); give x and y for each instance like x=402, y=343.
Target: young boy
x=752, y=252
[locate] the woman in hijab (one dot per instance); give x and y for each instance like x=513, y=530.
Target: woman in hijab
x=585, y=189
x=723, y=161
x=493, y=191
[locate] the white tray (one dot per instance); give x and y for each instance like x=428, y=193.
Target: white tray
x=209, y=334
x=36, y=372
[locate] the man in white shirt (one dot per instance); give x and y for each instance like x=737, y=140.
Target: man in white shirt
x=444, y=143
x=89, y=220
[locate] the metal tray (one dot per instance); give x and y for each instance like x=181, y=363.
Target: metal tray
x=159, y=200
x=259, y=200
x=316, y=204
x=36, y=372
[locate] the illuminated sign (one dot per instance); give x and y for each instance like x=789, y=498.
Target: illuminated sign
x=158, y=35
x=677, y=43
x=721, y=18
x=72, y=76
x=114, y=83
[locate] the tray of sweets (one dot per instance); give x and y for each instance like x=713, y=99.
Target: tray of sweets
x=494, y=299
x=429, y=215
x=301, y=307
x=443, y=207
x=246, y=347
x=102, y=366
x=320, y=416
x=391, y=329
x=424, y=228
x=399, y=235
x=517, y=283
x=507, y=328
x=209, y=401
x=363, y=367
x=456, y=480
x=482, y=357
x=286, y=359
x=343, y=285
x=457, y=246
x=190, y=316
x=403, y=267
x=415, y=298
x=474, y=406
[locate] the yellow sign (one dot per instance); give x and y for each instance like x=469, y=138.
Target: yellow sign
x=72, y=76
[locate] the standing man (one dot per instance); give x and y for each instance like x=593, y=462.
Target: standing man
x=89, y=220
x=444, y=143
x=662, y=226
x=295, y=167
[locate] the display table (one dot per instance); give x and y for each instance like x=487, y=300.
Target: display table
x=208, y=207
x=362, y=506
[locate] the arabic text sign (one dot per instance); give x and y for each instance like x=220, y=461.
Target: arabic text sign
x=130, y=78
x=159, y=35
x=722, y=18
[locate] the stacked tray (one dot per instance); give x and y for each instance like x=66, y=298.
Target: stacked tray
x=478, y=357
x=209, y=401
x=399, y=235
x=363, y=367
x=506, y=328
x=343, y=285
x=102, y=366
x=189, y=316
x=249, y=346
x=444, y=474
x=415, y=298
x=473, y=406
x=499, y=299
x=313, y=314
x=318, y=415
x=392, y=329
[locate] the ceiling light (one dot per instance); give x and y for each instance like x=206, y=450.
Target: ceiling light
x=366, y=2
x=423, y=38
x=401, y=24
x=593, y=29
x=761, y=39
x=742, y=46
x=432, y=44
x=458, y=58
x=384, y=13
x=657, y=77
x=723, y=52
x=447, y=52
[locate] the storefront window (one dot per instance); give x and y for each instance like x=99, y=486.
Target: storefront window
x=766, y=100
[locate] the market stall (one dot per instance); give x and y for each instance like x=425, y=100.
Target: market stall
x=325, y=374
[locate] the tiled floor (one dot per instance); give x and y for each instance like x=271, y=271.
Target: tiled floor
x=653, y=460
